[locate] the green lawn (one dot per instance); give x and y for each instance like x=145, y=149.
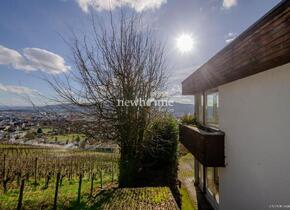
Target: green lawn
x=135, y=199
x=38, y=198
x=63, y=138
x=186, y=166
x=186, y=201
x=186, y=171
x=107, y=199
x=46, y=130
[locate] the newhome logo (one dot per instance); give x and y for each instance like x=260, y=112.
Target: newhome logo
x=142, y=102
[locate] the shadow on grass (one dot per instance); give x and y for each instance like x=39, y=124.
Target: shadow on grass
x=95, y=202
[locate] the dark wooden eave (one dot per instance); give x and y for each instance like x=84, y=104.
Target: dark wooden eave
x=263, y=46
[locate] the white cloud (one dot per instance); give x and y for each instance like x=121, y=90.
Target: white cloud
x=17, y=89
x=174, y=90
x=182, y=99
x=173, y=93
x=230, y=37
x=138, y=5
x=33, y=59
x=45, y=60
x=179, y=75
x=13, y=58
x=229, y=3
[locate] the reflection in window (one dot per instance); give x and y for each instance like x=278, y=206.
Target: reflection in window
x=212, y=105
x=200, y=174
x=212, y=182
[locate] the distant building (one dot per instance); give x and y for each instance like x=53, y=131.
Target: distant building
x=1, y=134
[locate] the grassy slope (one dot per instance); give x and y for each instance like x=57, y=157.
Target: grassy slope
x=112, y=198
x=38, y=198
x=186, y=201
x=186, y=171
x=63, y=138
x=60, y=138
x=136, y=199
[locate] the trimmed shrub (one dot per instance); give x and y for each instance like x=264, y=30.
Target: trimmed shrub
x=158, y=162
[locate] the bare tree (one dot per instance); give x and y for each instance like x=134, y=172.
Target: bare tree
x=119, y=61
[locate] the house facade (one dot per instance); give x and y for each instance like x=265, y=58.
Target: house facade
x=242, y=100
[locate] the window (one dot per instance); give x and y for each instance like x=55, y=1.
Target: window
x=200, y=174
x=212, y=183
x=212, y=105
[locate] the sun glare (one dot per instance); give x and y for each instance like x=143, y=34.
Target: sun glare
x=185, y=43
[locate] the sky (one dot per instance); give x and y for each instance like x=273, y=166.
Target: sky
x=32, y=34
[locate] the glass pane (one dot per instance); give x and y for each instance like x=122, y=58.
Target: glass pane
x=200, y=174
x=212, y=184
x=212, y=104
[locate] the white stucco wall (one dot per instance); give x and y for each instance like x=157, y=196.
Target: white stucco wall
x=255, y=115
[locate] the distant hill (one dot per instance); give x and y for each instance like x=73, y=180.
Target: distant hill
x=47, y=108
x=180, y=109
x=16, y=108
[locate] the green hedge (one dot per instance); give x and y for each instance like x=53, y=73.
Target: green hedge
x=158, y=162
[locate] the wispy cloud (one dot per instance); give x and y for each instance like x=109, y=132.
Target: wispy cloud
x=227, y=4
x=183, y=99
x=20, y=90
x=138, y=5
x=181, y=74
x=173, y=93
x=230, y=37
x=174, y=90
x=33, y=59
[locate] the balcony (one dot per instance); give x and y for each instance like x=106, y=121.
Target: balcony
x=207, y=146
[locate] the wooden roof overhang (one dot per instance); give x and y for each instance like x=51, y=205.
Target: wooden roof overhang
x=264, y=45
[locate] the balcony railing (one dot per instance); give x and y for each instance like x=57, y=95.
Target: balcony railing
x=206, y=146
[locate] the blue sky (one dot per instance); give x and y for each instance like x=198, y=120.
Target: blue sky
x=31, y=31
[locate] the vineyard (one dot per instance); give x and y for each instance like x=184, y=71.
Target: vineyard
x=47, y=178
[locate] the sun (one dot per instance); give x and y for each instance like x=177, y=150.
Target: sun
x=185, y=43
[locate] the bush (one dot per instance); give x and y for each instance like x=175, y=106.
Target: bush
x=188, y=119
x=78, y=139
x=159, y=162
x=161, y=140
x=39, y=131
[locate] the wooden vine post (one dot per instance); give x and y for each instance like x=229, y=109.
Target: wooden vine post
x=35, y=171
x=101, y=178
x=80, y=188
x=112, y=171
x=92, y=184
x=4, y=178
x=56, y=191
x=20, y=198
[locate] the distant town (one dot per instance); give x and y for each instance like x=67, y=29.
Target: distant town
x=57, y=128
x=41, y=128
